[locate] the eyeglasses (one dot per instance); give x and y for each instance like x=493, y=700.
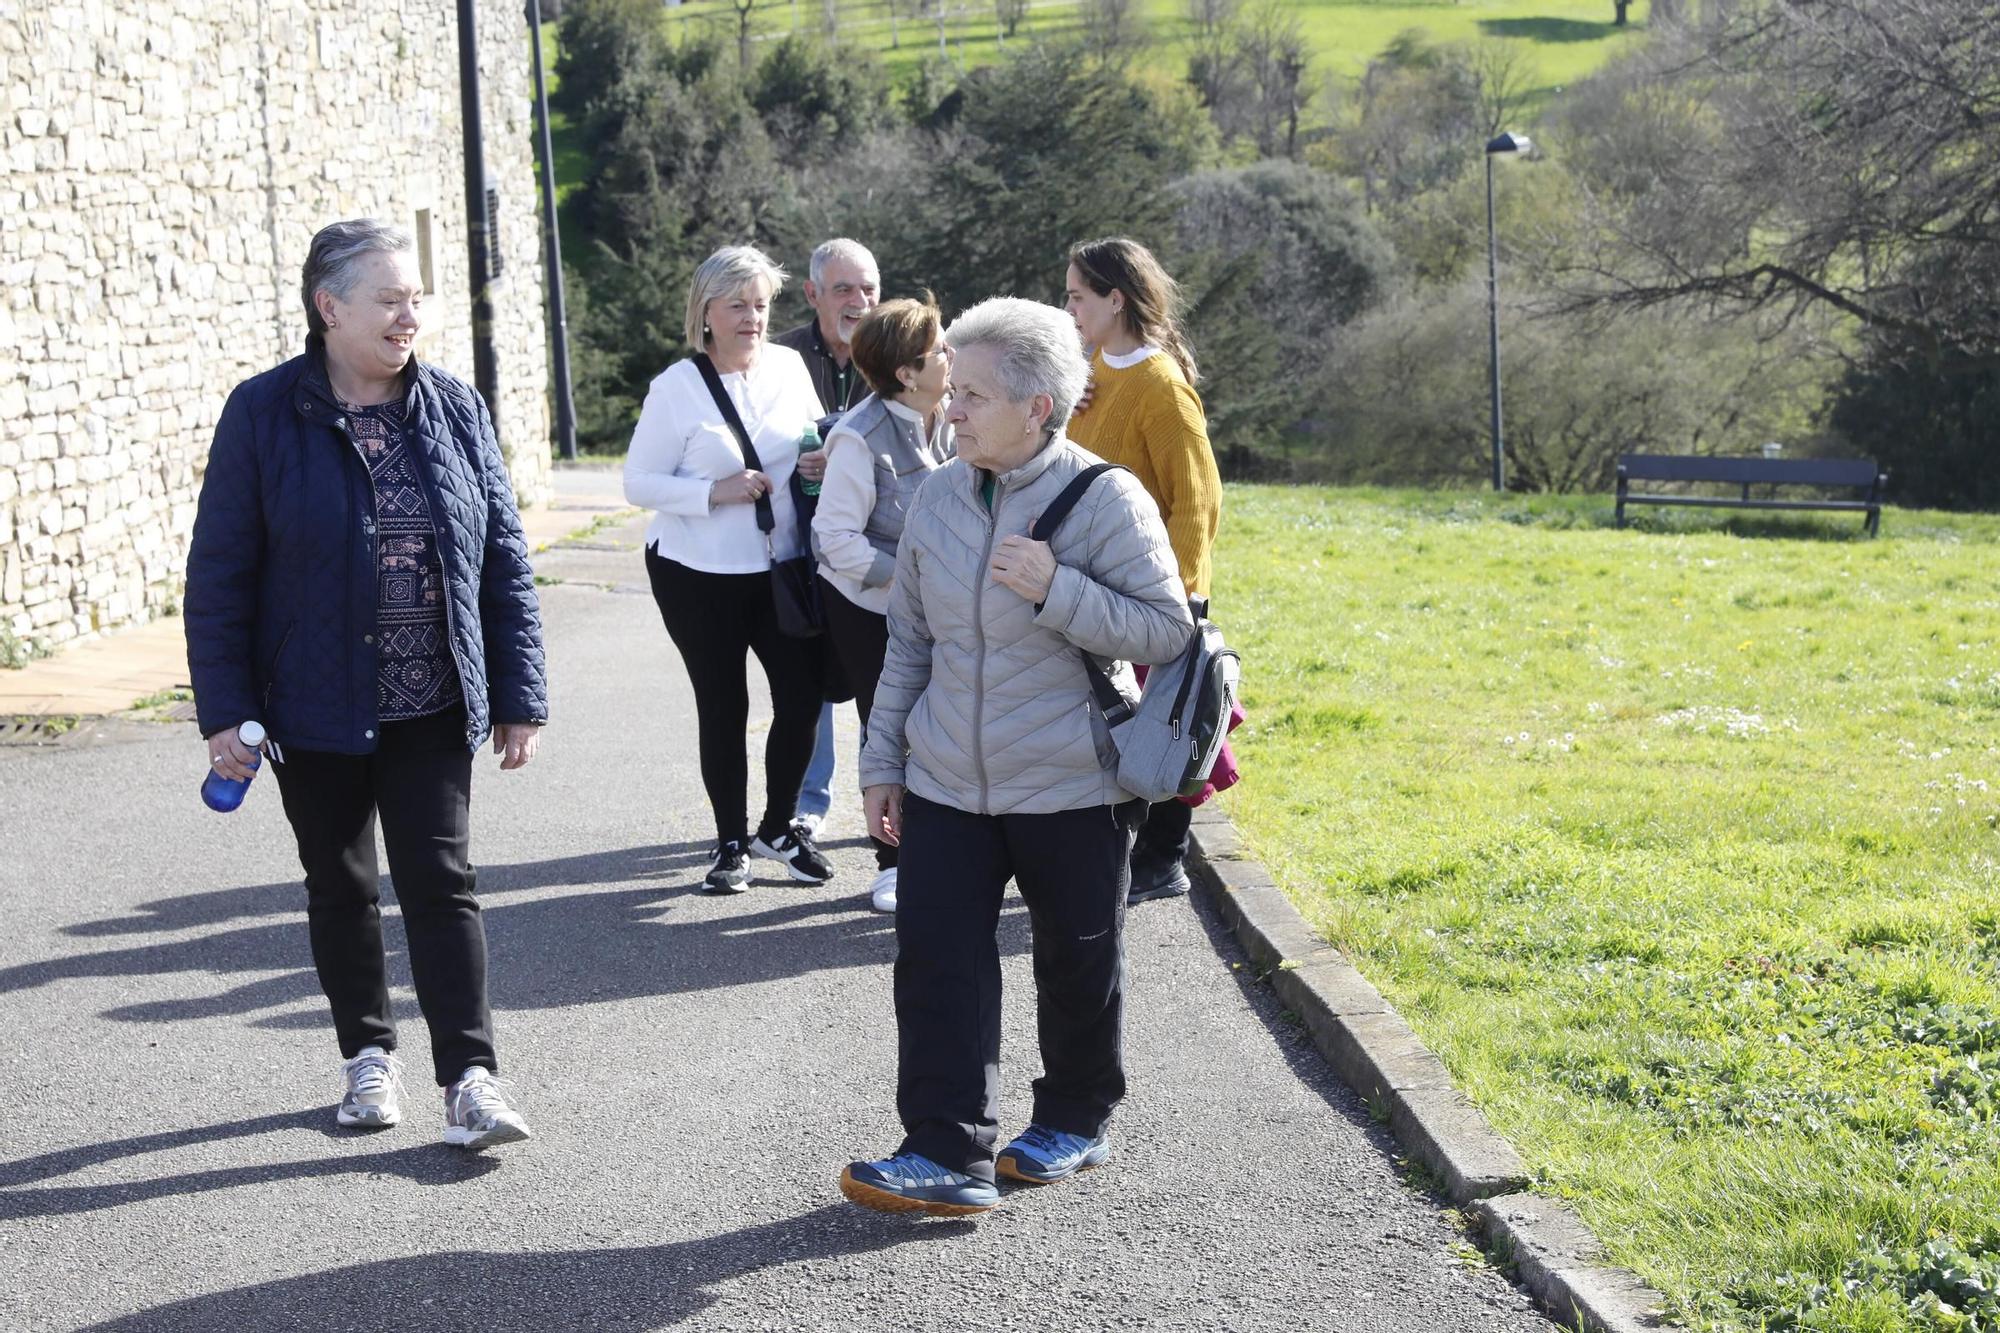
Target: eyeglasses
x=943, y=353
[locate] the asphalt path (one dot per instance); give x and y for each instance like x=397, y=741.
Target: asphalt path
x=697, y=1071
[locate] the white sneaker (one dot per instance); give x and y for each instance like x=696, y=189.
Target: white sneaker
x=370, y=1086
x=882, y=893
x=476, y=1113
x=812, y=823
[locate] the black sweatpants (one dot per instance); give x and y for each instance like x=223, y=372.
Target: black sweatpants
x=714, y=620
x=861, y=641
x=1163, y=838
x=1072, y=870
x=419, y=783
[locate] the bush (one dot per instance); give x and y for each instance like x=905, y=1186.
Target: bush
x=1274, y=257
x=1408, y=397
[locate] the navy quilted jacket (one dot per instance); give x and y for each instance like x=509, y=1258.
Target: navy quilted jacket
x=282, y=581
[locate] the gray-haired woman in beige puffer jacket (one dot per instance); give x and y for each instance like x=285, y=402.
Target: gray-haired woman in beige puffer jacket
x=987, y=759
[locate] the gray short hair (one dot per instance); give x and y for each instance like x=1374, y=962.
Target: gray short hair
x=854, y=252
x=728, y=270
x=333, y=261
x=1038, y=346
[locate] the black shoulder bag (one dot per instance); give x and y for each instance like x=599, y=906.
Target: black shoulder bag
x=793, y=586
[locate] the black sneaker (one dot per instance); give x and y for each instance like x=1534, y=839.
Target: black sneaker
x=795, y=848
x=731, y=871
x=1152, y=880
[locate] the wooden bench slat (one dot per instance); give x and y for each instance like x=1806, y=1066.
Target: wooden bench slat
x=1854, y=473
x=1719, y=502
x=1736, y=471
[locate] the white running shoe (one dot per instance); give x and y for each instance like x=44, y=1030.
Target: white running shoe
x=882, y=893
x=813, y=823
x=370, y=1087
x=476, y=1113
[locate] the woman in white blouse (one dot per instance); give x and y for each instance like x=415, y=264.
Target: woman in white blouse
x=876, y=457
x=709, y=563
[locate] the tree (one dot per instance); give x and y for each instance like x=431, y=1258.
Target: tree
x=1052, y=148
x=1792, y=154
x=811, y=101
x=1417, y=121
x=1407, y=399
x=742, y=9
x=1274, y=258
x=1009, y=13
x=1621, y=6
x=1110, y=27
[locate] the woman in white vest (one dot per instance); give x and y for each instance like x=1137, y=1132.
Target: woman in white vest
x=877, y=456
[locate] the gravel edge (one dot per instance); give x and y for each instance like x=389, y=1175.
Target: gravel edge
x=1546, y=1246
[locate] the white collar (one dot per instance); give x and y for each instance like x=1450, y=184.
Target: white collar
x=906, y=413
x=1130, y=359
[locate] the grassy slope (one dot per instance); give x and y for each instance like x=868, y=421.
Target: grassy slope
x=1679, y=847
x=1564, y=39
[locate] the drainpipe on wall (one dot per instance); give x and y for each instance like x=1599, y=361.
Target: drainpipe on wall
x=478, y=215
x=552, y=256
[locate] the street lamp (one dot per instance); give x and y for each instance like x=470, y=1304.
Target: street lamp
x=1505, y=145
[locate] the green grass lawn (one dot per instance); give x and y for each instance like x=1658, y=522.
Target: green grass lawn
x=1679, y=846
x=1563, y=39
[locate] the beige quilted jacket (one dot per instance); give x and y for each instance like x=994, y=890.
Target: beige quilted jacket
x=983, y=703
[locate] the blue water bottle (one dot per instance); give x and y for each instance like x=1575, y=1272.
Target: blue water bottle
x=225, y=794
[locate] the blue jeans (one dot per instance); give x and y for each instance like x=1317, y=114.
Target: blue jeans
x=816, y=796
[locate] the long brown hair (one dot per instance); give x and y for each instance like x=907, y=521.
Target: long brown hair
x=1152, y=311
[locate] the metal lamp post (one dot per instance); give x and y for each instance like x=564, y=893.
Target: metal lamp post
x=1505, y=145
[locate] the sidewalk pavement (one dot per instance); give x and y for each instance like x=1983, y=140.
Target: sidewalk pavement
x=111, y=673
x=697, y=1070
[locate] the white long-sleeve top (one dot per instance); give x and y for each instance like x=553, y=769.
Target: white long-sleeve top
x=847, y=501
x=682, y=446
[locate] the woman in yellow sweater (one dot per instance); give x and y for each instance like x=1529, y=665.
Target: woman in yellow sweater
x=1145, y=415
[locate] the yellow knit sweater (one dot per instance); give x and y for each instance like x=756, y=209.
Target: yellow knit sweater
x=1148, y=418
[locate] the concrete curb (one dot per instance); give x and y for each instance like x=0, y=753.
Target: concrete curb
x=1371, y=1048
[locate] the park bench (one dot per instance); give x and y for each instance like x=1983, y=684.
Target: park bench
x=1853, y=473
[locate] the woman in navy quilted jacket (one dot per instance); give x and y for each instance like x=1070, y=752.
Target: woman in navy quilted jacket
x=358, y=584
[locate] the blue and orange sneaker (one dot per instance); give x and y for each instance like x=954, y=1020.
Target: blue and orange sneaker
x=1042, y=1156
x=912, y=1183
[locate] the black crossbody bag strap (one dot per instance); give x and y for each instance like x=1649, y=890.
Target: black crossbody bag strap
x=766, y=521
x=1109, y=701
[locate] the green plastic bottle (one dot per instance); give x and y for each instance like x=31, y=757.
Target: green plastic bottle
x=809, y=441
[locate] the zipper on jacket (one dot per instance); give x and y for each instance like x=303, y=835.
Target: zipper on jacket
x=431, y=499
x=425, y=480
x=979, y=582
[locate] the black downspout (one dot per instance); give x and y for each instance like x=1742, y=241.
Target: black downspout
x=552, y=245
x=478, y=223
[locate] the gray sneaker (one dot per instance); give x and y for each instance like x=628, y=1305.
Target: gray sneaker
x=371, y=1084
x=476, y=1113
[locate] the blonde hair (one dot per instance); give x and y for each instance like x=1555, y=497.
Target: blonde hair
x=727, y=271
x=1152, y=311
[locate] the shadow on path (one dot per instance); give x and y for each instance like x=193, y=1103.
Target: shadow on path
x=62, y=1162
x=635, y=926
x=641, y=1287
x=427, y=1164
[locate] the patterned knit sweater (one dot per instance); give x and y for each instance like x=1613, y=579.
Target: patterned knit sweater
x=1148, y=418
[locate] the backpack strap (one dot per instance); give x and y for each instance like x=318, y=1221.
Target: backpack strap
x=766, y=520
x=1109, y=701
x=1058, y=510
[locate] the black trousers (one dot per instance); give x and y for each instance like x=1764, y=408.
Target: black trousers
x=861, y=641
x=714, y=620
x=419, y=784
x=1163, y=838
x=1073, y=874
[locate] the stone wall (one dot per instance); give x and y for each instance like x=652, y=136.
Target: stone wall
x=163, y=166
